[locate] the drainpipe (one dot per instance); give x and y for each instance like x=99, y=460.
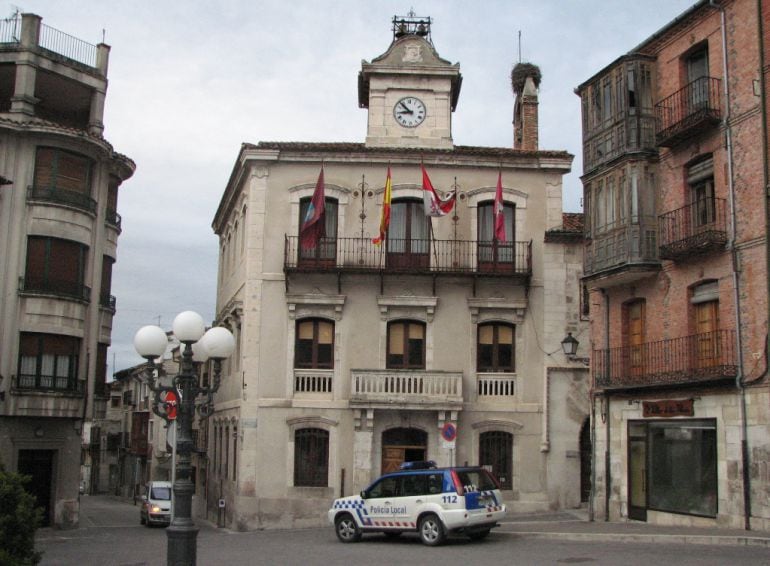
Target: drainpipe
x=739, y=383
x=605, y=411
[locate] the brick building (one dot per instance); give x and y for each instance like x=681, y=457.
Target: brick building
x=675, y=160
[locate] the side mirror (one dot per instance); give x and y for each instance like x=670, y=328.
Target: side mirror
x=364, y=494
x=144, y=498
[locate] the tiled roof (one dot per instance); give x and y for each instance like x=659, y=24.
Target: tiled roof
x=571, y=229
x=351, y=147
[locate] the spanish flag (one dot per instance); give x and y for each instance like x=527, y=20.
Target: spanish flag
x=385, y=218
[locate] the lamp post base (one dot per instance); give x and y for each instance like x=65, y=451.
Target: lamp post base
x=182, y=545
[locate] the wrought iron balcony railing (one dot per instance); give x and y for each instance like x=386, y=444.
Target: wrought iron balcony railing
x=62, y=197
x=686, y=360
x=108, y=302
x=688, y=112
x=55, y=287
x=114, y=219
x=697, y=228
x=455, y=257
x=50, y=383
x=406, y=388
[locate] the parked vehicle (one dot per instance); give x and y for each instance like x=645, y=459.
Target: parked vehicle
x=156, y=504
x=431, y=501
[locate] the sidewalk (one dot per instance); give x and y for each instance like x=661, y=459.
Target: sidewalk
x=574, y=525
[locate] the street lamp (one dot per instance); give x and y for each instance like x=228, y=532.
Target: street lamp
x=178, y=402
x=570, y=346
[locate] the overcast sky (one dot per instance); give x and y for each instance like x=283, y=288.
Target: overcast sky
x=189, y=81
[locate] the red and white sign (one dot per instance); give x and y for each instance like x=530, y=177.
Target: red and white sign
x=170, y=401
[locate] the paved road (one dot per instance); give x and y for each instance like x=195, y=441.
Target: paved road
x=110, y=535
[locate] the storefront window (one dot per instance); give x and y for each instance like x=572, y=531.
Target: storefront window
x=682, y=467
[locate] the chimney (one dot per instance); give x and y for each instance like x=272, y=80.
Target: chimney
x=525, y=80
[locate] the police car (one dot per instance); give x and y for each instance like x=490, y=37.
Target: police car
x=432, y=501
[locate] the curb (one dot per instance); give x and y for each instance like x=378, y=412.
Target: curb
x=657, y=538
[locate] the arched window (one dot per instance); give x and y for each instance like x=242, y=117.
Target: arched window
x=314, y=346
x=495, y=351
x=496, y=453
x=408, y=235
x=311, y=457
x=406, y=345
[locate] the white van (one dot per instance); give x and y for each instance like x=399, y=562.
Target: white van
x=156, y=504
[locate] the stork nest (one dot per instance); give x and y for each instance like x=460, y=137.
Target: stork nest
x=520, y=73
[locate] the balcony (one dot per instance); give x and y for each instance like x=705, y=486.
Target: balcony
x=684, y=361
x=54, y=287
x=692, y=230
x=406, y=389
x=114, y=219
x=495, y=386
x=108, y=302
x=62, y=197
x=688, y=112
x=623, y=254
x=415, y=257
x=313, y=383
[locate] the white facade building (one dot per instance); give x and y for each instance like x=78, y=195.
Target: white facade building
x=353, y=357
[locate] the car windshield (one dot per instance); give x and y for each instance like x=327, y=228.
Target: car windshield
x=163, y=493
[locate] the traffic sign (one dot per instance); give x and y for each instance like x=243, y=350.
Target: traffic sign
x=170, y=401
x=449, y=432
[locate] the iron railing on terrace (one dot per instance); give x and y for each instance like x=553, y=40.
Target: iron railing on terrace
x=55, y=383
x=626, y=245
x=454, y=257
x=64, y=44
x=51, y=39
x=56, y=287
x=63, y=197
x=688, y=111
x=10, y=31
x=696, y=228
x=699, y=358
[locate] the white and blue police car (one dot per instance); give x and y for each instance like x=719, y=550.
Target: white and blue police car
x=432, y=501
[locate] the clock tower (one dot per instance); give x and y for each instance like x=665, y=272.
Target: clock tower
x=409, y=90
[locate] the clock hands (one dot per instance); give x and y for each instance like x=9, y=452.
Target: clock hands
x=405, y=109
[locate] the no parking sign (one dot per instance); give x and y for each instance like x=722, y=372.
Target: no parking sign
x=448, y=435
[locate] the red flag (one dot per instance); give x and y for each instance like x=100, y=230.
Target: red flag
x=313, y=226
x=385, y=218
x=497, y=210
x=432, y=203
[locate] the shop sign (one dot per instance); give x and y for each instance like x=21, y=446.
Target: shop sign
x=668, y=408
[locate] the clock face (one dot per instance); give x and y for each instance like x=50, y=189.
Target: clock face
x=409, y=112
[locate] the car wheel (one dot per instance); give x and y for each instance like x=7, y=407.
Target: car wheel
x=346, y=528
x=479, y=535
x=431, y=530
x=142, y=520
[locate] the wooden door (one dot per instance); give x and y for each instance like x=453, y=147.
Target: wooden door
x=707, y=329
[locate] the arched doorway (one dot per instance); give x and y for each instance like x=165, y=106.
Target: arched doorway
x=402, y=445
x=585, y=461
